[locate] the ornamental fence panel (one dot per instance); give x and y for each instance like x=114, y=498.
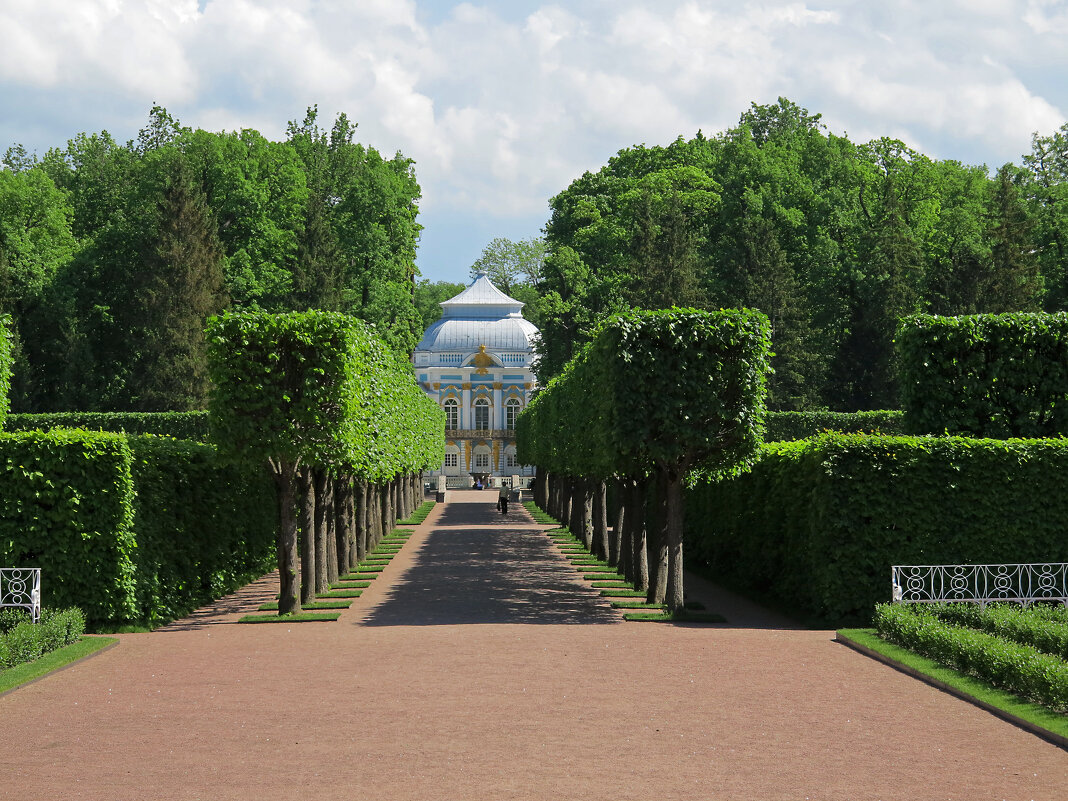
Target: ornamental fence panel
x=982, y=584
x=20, y=587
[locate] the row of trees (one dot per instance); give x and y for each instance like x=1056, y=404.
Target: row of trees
x=113, y=256
x=596, y=422
x=342, y=424
x=835, y=241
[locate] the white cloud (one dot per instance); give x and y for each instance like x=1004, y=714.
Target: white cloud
x=501, y=103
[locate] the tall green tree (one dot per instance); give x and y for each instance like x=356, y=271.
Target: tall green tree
x=182, y=288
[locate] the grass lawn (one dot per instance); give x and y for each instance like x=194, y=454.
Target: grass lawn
x=314, y=605
x=52, y=661
x=972, y=689
x=296, y=617
x=681, y=616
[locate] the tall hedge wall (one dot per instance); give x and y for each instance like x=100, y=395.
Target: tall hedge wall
x=783, y=426
x=67, y=507
x=204, y=526
x=144, y=529
x=181, y=425
x=985, y=375
x=6, y=363
x=818, y=523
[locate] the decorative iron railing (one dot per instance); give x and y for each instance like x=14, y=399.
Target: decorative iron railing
x=21, y=587
x=479, y=433
x=981, y=584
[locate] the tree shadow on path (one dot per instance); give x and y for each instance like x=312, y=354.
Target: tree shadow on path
x=478, y=566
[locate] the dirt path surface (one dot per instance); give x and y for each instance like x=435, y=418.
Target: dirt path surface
x=479, y=666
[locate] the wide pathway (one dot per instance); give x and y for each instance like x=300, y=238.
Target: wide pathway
x=479, y=666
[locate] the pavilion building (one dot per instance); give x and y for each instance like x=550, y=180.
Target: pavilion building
x=475, y=361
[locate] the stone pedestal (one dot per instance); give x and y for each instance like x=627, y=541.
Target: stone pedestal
x=442, y=495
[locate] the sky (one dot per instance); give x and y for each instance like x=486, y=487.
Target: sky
x=503, y=103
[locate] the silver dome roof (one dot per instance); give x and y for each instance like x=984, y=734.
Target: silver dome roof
x=480, y=315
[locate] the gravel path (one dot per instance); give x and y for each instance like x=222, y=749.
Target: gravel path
x=478, y=666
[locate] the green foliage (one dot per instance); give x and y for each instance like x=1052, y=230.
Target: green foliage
x=180, y=425
x=26, y=641
x=817, y=524
x=511, y=264
x=112, y=255
x=708, y=369
x=67, y=507
x=985, y=375
x=1018, y=668
x=1041, y=627
x=783, y=426
x=833, y=240
x=204, y=526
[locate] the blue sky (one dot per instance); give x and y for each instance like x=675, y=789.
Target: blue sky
x=502, y=104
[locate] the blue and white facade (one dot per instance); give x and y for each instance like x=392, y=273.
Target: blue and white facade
x=476, y=363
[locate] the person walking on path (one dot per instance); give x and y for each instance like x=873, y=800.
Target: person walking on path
x=502, y=499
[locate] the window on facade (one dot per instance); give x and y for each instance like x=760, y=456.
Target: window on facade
x=482, y=415
x=481, y=460
x=511, y=412
x=452, y=460
x=452, y=415
x=509, y=460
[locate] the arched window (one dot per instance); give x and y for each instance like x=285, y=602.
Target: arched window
x=511, y=412
x=452, y=415
x=482, y=415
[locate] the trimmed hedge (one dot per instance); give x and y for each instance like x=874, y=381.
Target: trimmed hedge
x=1043, y=628
x=204, y=526
x=1018, y=668
x=195, y=528
x=181, y=425
x=985, y=375
x=67, y=508
x=785, y=426
x=818, y=523
x=26, y=641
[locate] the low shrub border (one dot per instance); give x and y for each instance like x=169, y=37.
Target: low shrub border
x=1039, y=720
x=1042, y=628
x=23, y=641
x=1007, y=665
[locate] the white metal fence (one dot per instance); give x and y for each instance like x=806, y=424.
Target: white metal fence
x=20, y=587
x=982, y=584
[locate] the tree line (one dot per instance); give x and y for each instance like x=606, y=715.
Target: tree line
x=113, y=256
x=834, y=241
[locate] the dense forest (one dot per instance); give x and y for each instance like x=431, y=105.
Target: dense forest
x=834, y=241
x=113, y=256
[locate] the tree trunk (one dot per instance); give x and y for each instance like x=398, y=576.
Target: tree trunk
x=286, y=541
x=344, y=529
x=540, y=490
x=322, y=530
x=600, y=520
x=387, y=512
x=307, y=536
x=586, y=494
x=658, y=554
x=639, y=537
x=673, y=526
x=574, y=519
x=615, y=539
x=362, y=520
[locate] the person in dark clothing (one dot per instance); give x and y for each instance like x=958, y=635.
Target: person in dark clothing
x=502, y=499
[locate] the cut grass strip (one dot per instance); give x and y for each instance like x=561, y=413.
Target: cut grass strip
x=681, y=616
x=621, y=592
x=350, y=585
x=340, y=594
x=296, y=617
x=602, y=577
x=338, y=604
x=1033, y=717
x=363, y=567
x=636, y=605
x=362, y=576
x=613, y=585
x=58, y=659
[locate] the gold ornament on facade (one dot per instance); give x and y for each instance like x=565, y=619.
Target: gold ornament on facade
x=496, y=384
x=437, y=385
x=465, y=386
x=482, y=361
x=526, y=385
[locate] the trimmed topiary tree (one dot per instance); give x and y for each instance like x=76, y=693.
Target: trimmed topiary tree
x=662, y=394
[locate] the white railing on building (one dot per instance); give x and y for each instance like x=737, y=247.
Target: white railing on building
x=450, y=359
x=20, y=587
x=982, y=584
